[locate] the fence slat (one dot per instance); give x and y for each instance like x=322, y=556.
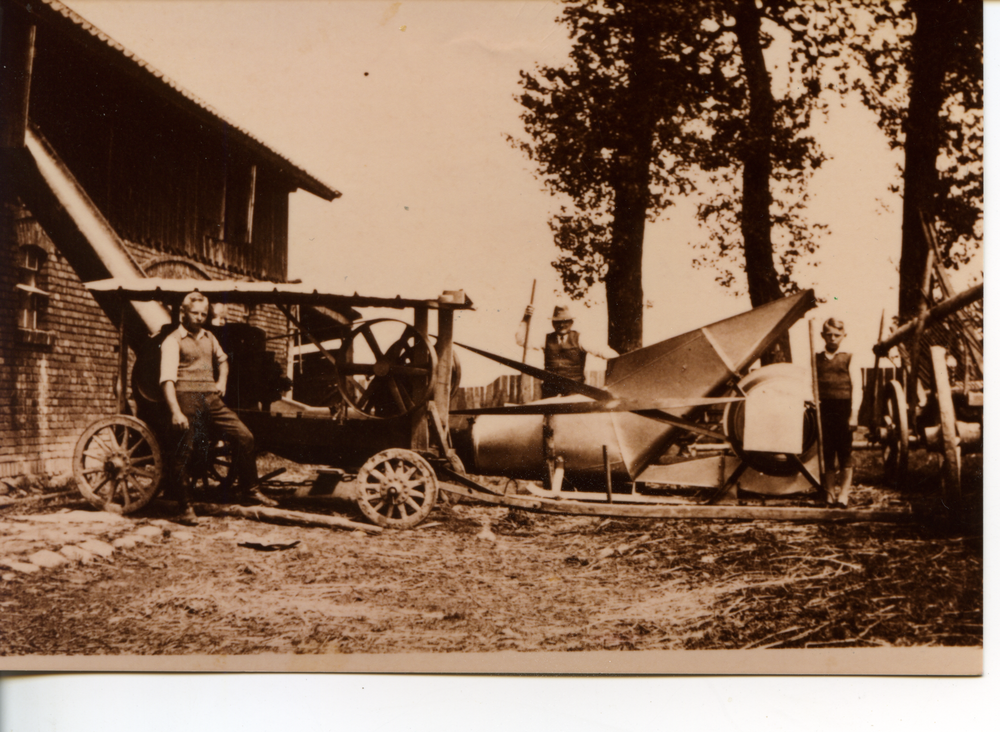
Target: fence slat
x=511, y=389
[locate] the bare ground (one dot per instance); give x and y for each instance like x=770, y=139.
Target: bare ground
x=476, y=578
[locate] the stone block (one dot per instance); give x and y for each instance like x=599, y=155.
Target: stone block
x=76, y=553
x=128, y=541
x=97, y=546
x=47, y=559
x=17, y=566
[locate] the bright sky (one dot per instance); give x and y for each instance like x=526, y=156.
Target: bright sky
x=404, y=108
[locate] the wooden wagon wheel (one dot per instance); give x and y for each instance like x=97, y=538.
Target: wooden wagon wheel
x=217, y=467
x=396, y=488
x=395, y=379
x=951, y=477
x=895, y=435
x=117, y=464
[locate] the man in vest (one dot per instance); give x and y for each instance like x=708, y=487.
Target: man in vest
x=839, y=401
x=565, y=350
x=193, y=374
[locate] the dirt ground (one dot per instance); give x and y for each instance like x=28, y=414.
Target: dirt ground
x=477, y=578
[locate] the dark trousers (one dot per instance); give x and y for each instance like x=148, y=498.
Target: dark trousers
x=554, y=390
x=835, y=415
x=551, y=390
x=209, y=420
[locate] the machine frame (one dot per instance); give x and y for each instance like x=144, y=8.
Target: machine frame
x=399, y=456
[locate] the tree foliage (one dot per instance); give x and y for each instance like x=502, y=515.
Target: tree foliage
x=657, y=99
x=612, y=131
x=924, y=63
x=765, y=152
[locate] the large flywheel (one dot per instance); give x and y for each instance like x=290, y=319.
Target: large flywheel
x=386, y=368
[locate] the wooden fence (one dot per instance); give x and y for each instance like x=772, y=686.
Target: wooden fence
x=521, y=389
x=509, y=389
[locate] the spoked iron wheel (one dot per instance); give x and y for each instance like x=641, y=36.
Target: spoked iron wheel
x=386, y=369
x=117, y=464
x=396, y=488
x=894, y=434
x=216, y=471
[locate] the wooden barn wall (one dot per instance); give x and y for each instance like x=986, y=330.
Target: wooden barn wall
x=162, y=178
x=268, y=317
x=174, y=189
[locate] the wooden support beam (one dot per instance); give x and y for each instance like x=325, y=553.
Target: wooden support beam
x=442, y=389
x=121, y=382
x=419, y=434
x=280, y=516
x=937, y=312
x=17, y=56
x=624, y=510
x=287, y=310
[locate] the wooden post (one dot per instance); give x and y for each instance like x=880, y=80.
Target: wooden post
x=419, y=433
x=527, y=327
x=607, y=471
x=876, y=390
x=250, y=203
x=17, y=55
x=292, y=341
x=918, y=334
x=442, y=391
x=815, y=384
x=122, y=385
x=950, y=441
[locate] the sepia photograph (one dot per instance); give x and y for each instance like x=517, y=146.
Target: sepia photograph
x=486, y=336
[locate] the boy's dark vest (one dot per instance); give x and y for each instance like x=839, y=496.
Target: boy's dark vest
x=565, y=359
x=834, y=376
x=196, y=368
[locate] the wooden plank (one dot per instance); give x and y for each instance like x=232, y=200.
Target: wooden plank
x=281, y=516
x=623, y=510
x=938, y=312
x=419, y=435
x=442, y=392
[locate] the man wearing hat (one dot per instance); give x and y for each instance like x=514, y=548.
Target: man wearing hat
x=839, y=401
x=565, y=349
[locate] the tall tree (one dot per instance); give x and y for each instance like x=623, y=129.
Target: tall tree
x=926, y=84
x=656, y=94
x=765, y=143
x=607, y=131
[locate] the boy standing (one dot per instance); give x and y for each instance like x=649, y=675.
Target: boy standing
x=839, y=401
x=190, y=357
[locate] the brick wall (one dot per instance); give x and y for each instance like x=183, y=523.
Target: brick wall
x=60, y=378
x=55, y=381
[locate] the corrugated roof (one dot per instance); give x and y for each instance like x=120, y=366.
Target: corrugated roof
x=59, y=16
x=145, y=289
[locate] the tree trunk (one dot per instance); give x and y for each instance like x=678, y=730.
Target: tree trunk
x=933, y=42
x=623, y=280
x=755, y=221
